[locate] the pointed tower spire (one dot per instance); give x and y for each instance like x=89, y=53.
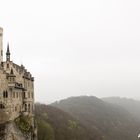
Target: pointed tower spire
x=8, y=53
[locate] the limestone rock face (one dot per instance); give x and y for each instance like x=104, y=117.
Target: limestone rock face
x=10, y=131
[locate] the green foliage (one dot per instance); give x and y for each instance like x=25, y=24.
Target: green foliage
x=45, y=131
x=72, y=125
x=55, y=124
x=24, y=124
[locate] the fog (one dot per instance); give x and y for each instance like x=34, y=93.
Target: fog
x=77, y=47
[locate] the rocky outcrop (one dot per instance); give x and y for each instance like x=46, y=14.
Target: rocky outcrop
x=22, y=128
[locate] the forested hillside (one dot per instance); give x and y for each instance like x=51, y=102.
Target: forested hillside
x=131, y=105
x=55, y=124
x=113, y=121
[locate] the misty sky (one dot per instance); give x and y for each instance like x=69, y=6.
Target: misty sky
x=75, y=47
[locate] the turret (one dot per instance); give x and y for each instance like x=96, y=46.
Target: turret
x=8, y=53
x=1, y=45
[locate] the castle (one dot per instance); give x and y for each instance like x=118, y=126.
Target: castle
x=16, y=88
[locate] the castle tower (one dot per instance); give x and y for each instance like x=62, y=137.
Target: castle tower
x=1, y=45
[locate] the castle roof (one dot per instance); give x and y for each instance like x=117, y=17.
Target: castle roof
x=8, y=50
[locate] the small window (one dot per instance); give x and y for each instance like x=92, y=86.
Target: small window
x=32, y=95
x=7, y=65
x=15, y=108
x=25, y=107
x=2, y=106
x=13, y=94
x=17, y=94
x=5, y=94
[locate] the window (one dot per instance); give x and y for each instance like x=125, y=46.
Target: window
x=15, y=108
x=24, y=95
x=2, y=106
x=13, y=94
x=17, y=94
x=7, y=65
x=5, y=94
x=25, y=107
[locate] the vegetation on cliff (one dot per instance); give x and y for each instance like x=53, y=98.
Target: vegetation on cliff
x=55, y=124
x=24, y=124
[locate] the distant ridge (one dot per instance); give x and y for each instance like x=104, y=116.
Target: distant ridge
x=131, y=105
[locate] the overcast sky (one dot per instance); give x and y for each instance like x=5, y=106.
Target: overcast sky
x=75, y=47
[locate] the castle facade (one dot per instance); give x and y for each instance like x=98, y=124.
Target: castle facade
x=16, y=88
